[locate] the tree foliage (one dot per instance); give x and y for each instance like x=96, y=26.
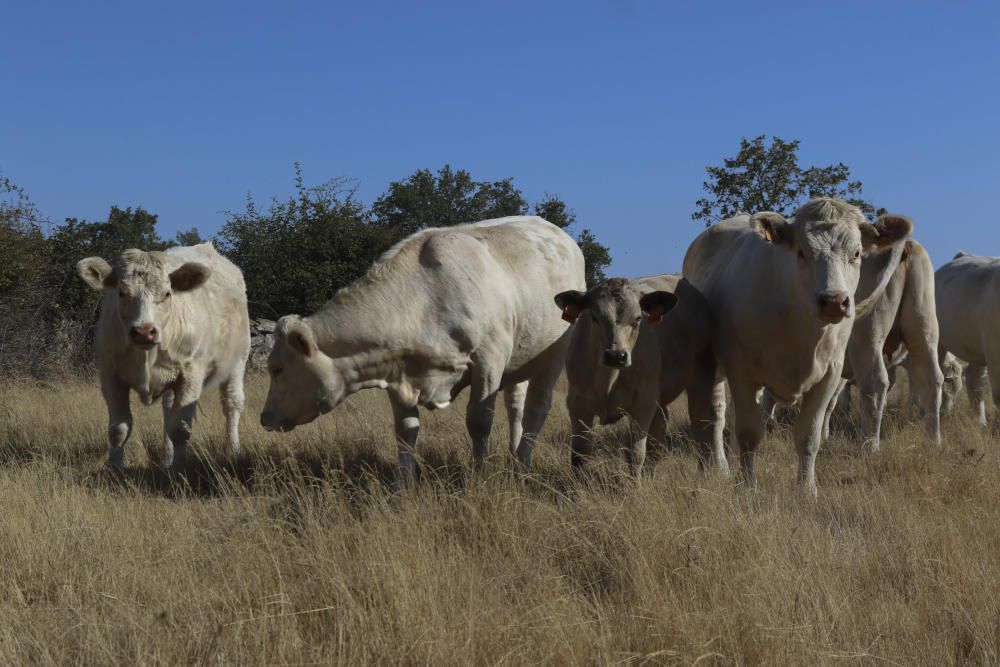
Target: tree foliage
x=448, y=198
x=764, y=177
x=299, y=252
x=22, y=243
x=187, y=237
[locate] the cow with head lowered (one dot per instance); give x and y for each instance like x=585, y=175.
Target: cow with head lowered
x=781, y=294
x=636, y=346
x=172, y=324
x=444, y=309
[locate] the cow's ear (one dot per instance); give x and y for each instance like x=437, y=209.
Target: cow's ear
x=189, y=276
x=887, y=231
x=657, y=304
x=97, y=273
x=302, y=340
x=572, y=303
x=773, y=228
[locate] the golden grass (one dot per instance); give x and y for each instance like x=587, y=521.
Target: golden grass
x=298, y=553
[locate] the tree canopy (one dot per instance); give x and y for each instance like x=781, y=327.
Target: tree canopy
x=764, y=177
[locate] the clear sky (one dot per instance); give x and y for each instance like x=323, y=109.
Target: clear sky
x=617, y=107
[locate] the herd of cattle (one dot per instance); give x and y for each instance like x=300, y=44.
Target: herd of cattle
x=782, y=310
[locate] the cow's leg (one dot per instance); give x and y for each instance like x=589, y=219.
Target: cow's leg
x=232, y=397
x=513, y=398
x=168, y=447
x=479, y=421
x=536, y=406
x=749, y=424
x=642, y=420
x=975, y=385
x=407, y=423
x=707, y=410
x=769, y=407
x=873, y=384
x=119, y=421
x=658, y=427
x=179, y=420
x=809, y=426
x=178, y=425
x=926, y=380
x=581, y=420
x=842, y=389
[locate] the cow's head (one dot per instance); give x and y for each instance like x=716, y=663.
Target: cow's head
x=828, y=237
x=304, y=381
x=143, y=285
x=616, y=309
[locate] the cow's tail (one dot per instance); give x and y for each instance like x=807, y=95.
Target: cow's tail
x=865, y=306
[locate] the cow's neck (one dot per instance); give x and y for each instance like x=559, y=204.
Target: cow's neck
x=383, y=339
x=367, y=370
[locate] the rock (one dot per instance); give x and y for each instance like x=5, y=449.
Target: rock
x=261, y=343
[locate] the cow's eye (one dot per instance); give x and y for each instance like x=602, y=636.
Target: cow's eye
x=593, y=317
x=802, y=255
x=275, y=372
x=122, y=295
x=856, y=257
x=164, y=296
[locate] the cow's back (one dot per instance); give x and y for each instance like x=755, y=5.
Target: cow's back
x=493, y=281
x=966, y=291
x=719, y=259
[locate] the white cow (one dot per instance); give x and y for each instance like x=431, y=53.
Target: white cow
x=172, y=324
x=968, y=291
x=781, y=293
x=904, y=314
x=443, y=309
x=622, y=364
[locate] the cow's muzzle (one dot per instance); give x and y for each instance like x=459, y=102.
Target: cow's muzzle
x=833, y=306
x=616, y=358
x=144, y=336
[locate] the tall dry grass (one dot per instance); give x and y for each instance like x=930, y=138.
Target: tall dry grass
x=298, y=553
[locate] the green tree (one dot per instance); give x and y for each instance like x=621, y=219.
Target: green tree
x=451, y=197
x=765, y=177
x=189, y=237
x=22, y=243
x=299, y=252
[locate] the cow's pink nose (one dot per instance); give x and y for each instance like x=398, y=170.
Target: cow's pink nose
x=834, y=305
x=143, y=333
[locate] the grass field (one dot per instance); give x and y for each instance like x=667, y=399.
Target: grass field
x=298, y=553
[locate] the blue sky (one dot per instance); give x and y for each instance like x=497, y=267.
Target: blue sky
x=617, y=107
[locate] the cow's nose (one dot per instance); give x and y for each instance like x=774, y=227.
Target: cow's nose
x=834, y=305
x=143, y=333
x=616, y=358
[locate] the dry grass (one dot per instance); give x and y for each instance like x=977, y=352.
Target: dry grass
x=298, y=552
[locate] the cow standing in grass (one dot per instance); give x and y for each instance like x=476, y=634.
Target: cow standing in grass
x=781, y=296
x=968, y=291
x=444, y=309
x=172, y=324
x=904, y=314
x=622, y=363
